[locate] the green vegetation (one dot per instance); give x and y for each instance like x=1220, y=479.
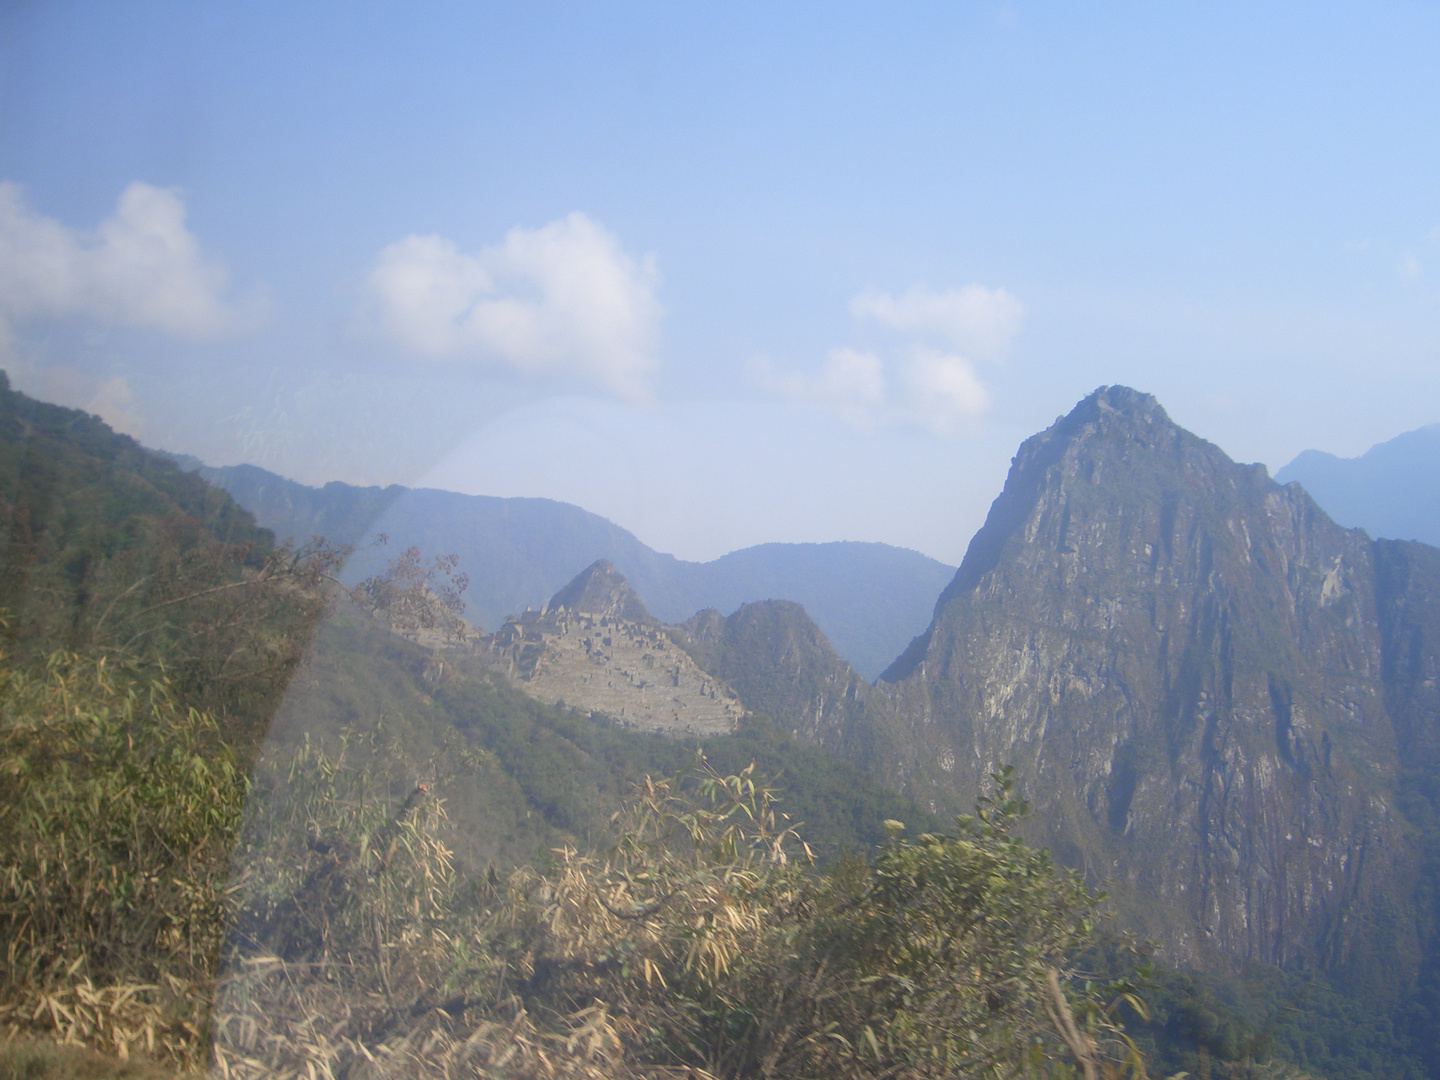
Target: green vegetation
x=539, y=776
x=118, y=812
x=152, y=633
x=147, y=631
x=692, y=942
x=1263, y=1019
x=573, y=770
x=692, y=937
x=420, y=871
x=109, y=550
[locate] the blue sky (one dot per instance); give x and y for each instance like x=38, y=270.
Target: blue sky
x=723, y=274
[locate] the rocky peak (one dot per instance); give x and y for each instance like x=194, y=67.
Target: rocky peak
x=1093, y=445
x=781, y=664
x=596, y=648
x=602, y=591
x=1184, y=661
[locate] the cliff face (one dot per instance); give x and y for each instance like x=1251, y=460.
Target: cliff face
x=781, y=664
x=1186, y=663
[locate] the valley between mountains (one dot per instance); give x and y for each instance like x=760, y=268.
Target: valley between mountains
x=1221, y=706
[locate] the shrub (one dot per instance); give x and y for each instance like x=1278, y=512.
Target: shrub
x=118, y=812
x=700, y=943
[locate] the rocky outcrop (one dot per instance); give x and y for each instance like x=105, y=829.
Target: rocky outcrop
x=595, y=647
x=1186, y=663
x=782, y=665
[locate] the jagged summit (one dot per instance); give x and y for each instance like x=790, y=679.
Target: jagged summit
x=1120, y=404
x=1183, y=660
x=602, y=590
x=1097, y=445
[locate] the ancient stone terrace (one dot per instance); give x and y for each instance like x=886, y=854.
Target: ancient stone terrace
x=625, y=668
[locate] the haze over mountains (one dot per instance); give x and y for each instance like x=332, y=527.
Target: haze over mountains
x=1391, y=490
x=1221, y=705
x=870, y=599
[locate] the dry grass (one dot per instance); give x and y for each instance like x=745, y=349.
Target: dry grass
x=118, y=813
x=695, y=947
x=27, y=1059
x=118, y=1019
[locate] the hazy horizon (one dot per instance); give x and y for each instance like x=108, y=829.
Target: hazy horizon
x=721, y=277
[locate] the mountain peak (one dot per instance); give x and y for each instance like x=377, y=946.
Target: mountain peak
x=600, y=589
x=1124, y=401
x=1091, y=447
x=1109, y=416
x=1112, y=413
x=1168, y=646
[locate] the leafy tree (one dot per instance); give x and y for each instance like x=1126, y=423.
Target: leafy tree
x=416, y=597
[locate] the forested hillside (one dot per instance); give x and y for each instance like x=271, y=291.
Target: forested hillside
x=245, y=821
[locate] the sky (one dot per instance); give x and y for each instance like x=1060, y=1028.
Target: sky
x=724, y=274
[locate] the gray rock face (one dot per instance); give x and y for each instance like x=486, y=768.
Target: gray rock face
x=599, y=590
x=1185, y=662
x=781, y=664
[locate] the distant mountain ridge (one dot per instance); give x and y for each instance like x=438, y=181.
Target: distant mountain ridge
x=869, y=599
x=1392, y=490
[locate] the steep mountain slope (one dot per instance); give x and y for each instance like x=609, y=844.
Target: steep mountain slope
x=1185, y=661
x=76, y=498
x=869, y=598
x=110, y=550
x=780, y=664
x=1391, y=490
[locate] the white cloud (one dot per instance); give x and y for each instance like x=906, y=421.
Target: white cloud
x=851, y=382
x=973, y=319
x=561, y=299
x=943, y=389
x=931, y=387
x=140, y=267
